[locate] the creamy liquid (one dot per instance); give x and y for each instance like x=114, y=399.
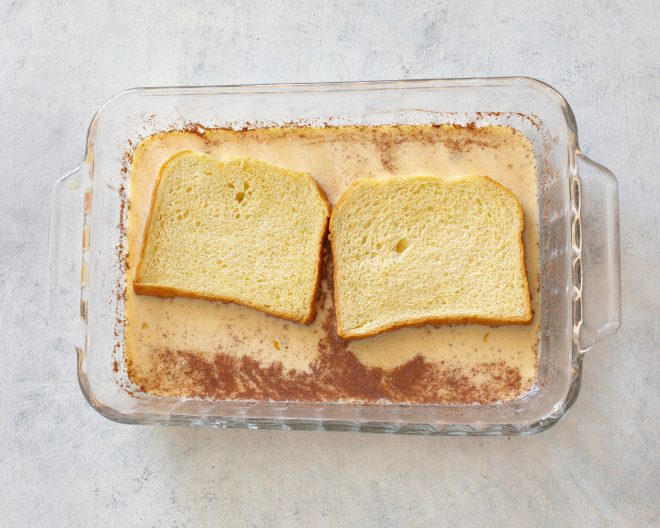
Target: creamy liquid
x=335, y=156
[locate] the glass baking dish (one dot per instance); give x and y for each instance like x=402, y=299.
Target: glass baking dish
x=579, y=233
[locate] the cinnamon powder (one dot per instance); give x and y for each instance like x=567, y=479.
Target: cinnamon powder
x=336, y=373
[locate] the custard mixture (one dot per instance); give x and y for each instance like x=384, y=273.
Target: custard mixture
x=183, y=347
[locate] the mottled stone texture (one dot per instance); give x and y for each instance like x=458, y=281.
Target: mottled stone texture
x=61, y=464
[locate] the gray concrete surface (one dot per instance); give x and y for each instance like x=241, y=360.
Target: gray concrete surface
x=61, y=464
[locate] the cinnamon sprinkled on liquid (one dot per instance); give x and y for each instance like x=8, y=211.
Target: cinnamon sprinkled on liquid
x=335, y=373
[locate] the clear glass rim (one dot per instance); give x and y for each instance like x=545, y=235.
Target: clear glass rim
x=333, y=86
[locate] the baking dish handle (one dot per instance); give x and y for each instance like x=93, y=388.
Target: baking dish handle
x=65, y=255
x=596, y=235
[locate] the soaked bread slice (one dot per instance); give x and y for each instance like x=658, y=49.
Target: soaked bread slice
x=241, y=231
x=421, y=250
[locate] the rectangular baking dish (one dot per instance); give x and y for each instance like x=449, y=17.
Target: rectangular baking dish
x=579, y=233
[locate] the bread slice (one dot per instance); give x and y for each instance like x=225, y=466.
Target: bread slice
x=240, y=231
x=417, y=250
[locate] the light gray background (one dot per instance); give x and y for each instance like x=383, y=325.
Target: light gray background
x=61, y=464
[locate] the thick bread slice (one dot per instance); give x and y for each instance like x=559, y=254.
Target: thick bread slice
x=240, y=231
x=420, y=250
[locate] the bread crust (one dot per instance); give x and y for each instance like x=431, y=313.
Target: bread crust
x=407, y=323
x=319, y=265
x=165, y=291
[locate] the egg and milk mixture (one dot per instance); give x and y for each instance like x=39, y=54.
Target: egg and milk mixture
x=185, y=347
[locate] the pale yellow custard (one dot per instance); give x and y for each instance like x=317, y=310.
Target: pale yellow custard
x=193, y=348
